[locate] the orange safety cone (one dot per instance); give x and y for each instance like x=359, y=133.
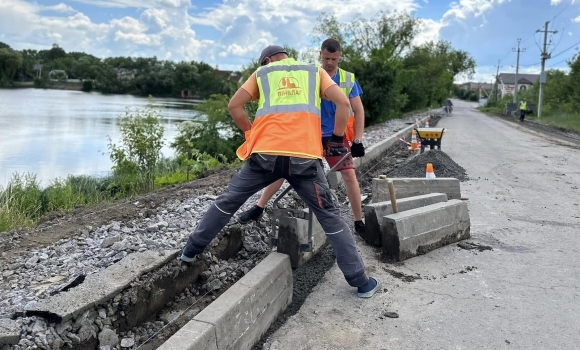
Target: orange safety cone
x=414, y=144
x=427, y=123
x=429, y=173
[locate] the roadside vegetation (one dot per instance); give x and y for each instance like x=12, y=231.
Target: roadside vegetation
x=561, y=102
x=397, y=77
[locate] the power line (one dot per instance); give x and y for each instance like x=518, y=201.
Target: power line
x=561, y=52
x=555, y=64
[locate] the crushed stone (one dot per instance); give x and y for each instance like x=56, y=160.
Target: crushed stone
x=443, y=166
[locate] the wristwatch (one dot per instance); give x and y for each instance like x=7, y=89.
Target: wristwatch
x=356, y=141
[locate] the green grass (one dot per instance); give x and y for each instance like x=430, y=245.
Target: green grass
x=562, y=120
x=23, y=201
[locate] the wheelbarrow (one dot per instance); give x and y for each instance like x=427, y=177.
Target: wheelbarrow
x=278, y=211
x=430, y=137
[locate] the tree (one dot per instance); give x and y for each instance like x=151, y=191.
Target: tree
x=10, y=62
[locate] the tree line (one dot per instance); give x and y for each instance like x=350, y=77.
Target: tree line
x=118, y=75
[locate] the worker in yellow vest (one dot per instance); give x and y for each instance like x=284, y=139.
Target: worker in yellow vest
x=284, y=143
x=523, y=109
x=330, y=54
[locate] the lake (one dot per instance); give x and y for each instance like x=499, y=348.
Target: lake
x=54, y=133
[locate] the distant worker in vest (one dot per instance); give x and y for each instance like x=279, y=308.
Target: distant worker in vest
x=330, y=54
x=284, y=143
x=523, y=109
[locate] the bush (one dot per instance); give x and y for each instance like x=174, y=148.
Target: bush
x=136, y=157
x=87, y=85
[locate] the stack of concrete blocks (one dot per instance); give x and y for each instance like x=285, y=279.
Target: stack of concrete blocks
x=293, y=231
x=430, y=215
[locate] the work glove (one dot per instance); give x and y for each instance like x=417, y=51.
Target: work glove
x=335, y=146
x=357, y=150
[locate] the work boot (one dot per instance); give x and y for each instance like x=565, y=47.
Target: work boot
x=369, y=289
x=359, y=228
x=253, y=214
x=187, y=255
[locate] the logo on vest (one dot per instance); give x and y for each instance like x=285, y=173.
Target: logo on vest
x=289, y=87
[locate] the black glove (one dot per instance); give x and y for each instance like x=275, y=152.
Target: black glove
x=335, y=146
x=357, y=150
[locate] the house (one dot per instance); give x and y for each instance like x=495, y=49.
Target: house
x=57, y=74
x=506, y=82
x=235, y=77
x=476, y=86
x=126, y=73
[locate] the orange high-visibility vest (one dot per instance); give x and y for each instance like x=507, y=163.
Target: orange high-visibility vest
x=287, y=121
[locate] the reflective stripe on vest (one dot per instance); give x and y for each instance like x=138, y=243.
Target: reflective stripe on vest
x=265, y=98
x=346, y=81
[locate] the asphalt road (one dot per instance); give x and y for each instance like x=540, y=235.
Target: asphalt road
x=524, y=201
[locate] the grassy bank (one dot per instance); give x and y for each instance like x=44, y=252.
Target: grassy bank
x=23, y=202
x=563, y=120
x=559, y=119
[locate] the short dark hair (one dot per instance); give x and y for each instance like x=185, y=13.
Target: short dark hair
x=330, y=45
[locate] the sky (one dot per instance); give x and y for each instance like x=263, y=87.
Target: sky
x=230, y=33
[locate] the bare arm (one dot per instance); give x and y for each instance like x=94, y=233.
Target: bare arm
x=237, y=110
x=359, y=117
x=335, y=94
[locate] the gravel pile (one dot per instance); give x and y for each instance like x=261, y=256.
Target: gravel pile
x=443, y=166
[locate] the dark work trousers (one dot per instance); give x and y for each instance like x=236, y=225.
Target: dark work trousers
x=307, y=178
x=522, y=114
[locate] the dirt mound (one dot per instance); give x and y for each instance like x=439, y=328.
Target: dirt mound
x=443, y=166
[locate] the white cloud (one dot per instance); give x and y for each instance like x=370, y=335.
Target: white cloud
x=137, y=3
x=577, y=19
x=555, y=2
x=466, y=8
x=62, y=8
x=164, y=31
x=249, y=25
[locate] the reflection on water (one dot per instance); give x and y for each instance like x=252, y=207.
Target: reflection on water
x=54, y=133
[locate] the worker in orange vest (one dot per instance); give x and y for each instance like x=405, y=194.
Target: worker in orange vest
x=330, y=54
x=284, y=143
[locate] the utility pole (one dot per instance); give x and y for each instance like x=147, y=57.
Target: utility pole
x=517, y=70
x=496, y=85
x=545, y=55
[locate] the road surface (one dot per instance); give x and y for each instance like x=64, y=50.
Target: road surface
x=524, y=202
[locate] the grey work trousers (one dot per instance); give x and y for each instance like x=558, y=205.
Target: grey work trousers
x=306, y=176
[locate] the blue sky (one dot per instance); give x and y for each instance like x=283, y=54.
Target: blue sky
x=229, y=33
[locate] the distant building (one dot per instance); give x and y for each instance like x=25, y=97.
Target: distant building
x=57, y=74
x=507, y=82
x=476, y=86
x=235, y=77
x=126, y=73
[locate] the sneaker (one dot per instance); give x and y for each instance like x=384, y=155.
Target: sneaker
x=187, y=256
x=369, y=289
x=253, y=214
x=359, y=228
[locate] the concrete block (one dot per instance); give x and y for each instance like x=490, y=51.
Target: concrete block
x=243, y=313
x=374, y=213
x=195, y=335
x=9, y=332
x=410, y=187
x=293, y=231
x=418, y=231
x=99, y=287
